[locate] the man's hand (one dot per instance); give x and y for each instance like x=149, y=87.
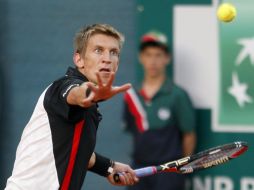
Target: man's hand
x=128, y=176
x=189, y=143
x=104, y=91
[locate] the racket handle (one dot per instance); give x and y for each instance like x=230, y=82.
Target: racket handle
x=142, y=172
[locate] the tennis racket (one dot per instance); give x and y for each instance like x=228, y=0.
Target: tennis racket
x=202, y=160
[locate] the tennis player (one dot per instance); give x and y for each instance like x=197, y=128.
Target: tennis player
x=57, y=145
x=159, y=115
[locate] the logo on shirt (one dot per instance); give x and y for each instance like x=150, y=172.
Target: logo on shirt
x=164, y=113
x=69, y=88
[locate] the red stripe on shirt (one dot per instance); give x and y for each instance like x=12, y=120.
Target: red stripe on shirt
x=133, y=109
x=144, y=95
x=75, y=144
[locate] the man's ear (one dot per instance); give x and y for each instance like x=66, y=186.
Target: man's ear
x=168, y=59
x=77, y=60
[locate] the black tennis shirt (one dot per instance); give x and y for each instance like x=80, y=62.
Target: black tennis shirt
x=58, y=141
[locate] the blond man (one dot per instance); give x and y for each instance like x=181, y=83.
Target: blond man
x=57, y=145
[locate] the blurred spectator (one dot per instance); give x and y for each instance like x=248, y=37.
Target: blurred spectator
x=159, y=115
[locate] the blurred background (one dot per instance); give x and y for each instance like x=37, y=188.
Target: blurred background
x=36, y=48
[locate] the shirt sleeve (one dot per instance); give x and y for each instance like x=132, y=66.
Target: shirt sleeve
x=185, y=113
x=56, y=99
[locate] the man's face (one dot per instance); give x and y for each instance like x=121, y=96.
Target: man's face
x=154, y=61
x=101, y=55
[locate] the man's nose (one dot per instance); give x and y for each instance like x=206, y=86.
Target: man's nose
x=106, y=57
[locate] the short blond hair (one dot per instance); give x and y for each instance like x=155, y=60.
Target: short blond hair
x=82, y=37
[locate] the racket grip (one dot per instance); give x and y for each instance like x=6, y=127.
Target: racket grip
x=142, y=172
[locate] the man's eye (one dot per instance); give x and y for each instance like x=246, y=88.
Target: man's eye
x=98, y=50
x=114, y=53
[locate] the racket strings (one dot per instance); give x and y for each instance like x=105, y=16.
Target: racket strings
x=210, y=158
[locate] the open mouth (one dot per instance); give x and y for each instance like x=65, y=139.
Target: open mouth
x=104, y=70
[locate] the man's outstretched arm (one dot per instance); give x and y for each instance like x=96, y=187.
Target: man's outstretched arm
x=88, y=93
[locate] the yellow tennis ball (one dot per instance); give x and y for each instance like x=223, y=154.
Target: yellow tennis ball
x=226, y=12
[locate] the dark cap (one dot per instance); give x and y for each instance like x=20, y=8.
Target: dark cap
x=154, y=39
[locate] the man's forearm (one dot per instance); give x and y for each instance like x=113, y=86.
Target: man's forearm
x=92, y=161
x=189, y=143
x=100, y=165
x=76, y=95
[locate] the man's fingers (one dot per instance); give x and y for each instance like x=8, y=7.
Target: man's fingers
x=88, y=100
x=99, y=81
x=92, y=86
x=131, y=179
x=132, y=175
x=122, y=88
x=111, y=79
x=126, y=174
x=127, y=179
x=122, y=180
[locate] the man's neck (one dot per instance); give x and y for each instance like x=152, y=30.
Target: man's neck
x=151, y=85
x=154, y=81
